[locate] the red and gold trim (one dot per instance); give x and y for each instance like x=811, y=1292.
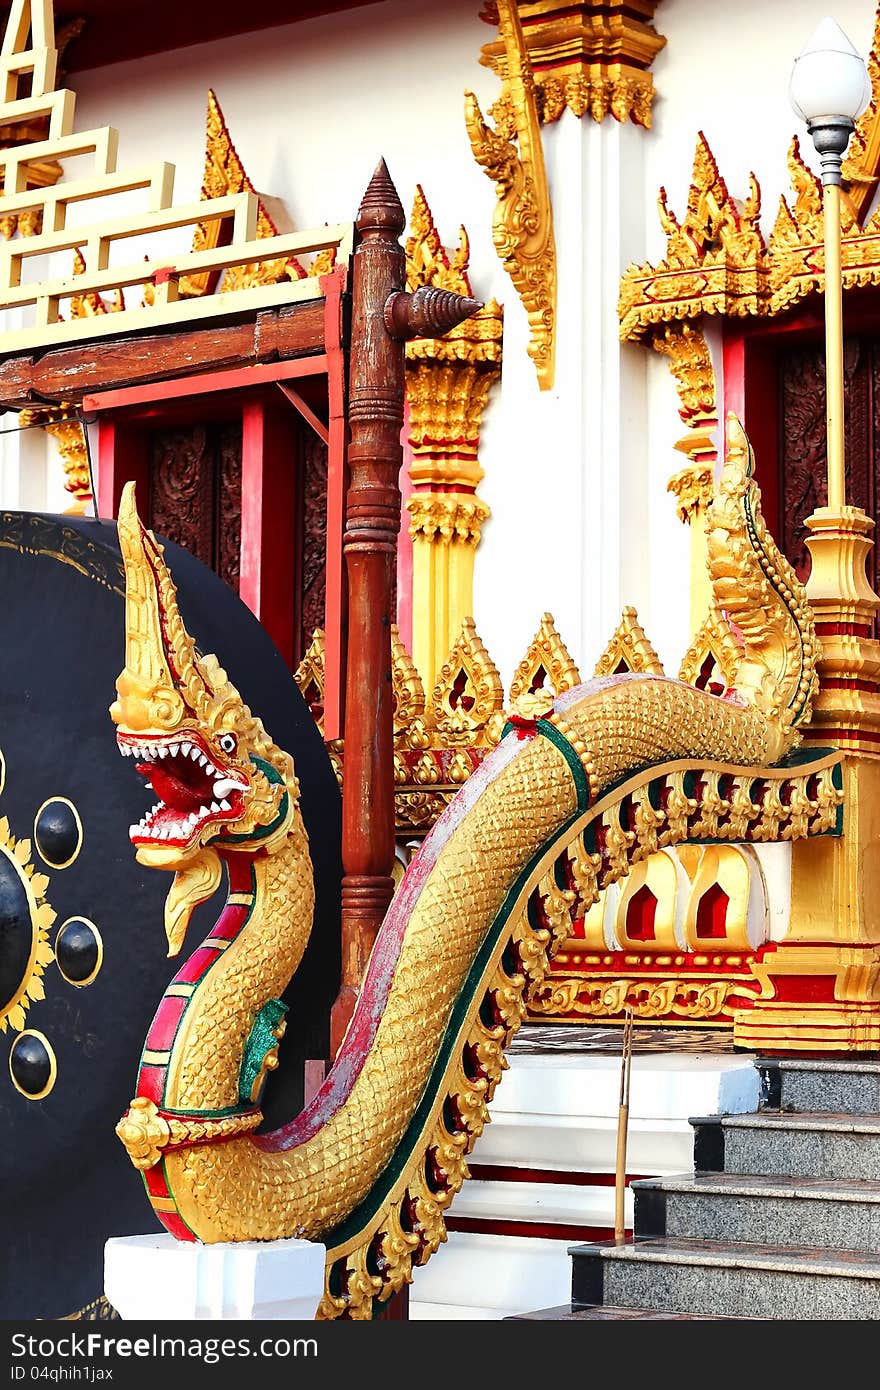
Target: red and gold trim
x=156, y=1056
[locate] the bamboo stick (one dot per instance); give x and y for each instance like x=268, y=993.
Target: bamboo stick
x=622, y=1124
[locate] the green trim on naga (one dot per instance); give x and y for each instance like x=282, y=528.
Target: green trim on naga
x=558, y=739
x=262, y=1040
x=277, y=780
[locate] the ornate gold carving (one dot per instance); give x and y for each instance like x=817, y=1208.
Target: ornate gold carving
x=756, y=587
x=522, y=227
x=688, y=1000
x=225, y=174
x=406, y=684
x=72, y=448
x=713, y=262
x=448, y=381
x=166, y=687
x=591, y=57
x=483, y=919
x=146, y=1133
x=546, y=665
x=631, y=954
x=29, y=988
x=691, y=365
x=712, y=659
x=629, y=649
x=861, y=168
x=468, y=692
x=716, y=262
x=693, y=488
x=442, y=516
x=70, y=437
x=309, y=676
x=428, y=262
x=99, y=1310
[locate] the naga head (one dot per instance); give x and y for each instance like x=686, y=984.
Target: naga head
x=758, y=591
x=220, y=782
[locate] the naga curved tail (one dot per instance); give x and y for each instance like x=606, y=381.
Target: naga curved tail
x=579, y=789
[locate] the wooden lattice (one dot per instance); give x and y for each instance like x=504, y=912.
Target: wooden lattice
x=28, y=56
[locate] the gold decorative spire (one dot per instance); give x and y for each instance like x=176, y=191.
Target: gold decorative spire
x=225, y=174
x=629, y=649
x=546, y=665
x=468, y=690
x=712, y=660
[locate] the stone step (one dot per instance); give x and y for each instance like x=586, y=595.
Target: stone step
x=728, y=1279
x=807, y=1211
x=789, y=1145
x=807, y=1084
x=566, y=1312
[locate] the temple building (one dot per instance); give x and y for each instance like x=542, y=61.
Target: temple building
x=611, y=321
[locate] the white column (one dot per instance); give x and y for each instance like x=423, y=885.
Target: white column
x=566, y=469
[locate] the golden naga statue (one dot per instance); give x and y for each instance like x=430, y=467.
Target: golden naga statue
x=579, y=788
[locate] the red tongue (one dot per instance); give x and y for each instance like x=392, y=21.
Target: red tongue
x=171, y=789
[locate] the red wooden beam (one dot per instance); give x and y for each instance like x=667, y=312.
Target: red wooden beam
x=204, y=384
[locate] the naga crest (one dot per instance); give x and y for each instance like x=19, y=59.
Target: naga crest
x=761, y=596
x=221, y=783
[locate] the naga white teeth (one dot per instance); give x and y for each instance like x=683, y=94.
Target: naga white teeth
x=225, y=806
x=185, y=749
x=215, y=807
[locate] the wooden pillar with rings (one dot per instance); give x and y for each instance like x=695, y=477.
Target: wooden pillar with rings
x=384, y=317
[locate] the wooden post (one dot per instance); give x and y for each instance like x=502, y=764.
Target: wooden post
x=376, y=390
x=384, y=316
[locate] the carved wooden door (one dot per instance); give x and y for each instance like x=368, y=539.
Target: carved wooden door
x=195, y=499
x=802, y=436
x=195, y=493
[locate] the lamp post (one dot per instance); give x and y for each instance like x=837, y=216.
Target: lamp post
x=829, y=90
x=834, y=926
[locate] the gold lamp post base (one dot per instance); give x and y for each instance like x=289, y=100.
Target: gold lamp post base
x=821, y=986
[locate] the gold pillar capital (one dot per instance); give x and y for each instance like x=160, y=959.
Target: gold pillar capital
x=693, y=489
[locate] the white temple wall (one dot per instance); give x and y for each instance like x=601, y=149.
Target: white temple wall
x=576, y=477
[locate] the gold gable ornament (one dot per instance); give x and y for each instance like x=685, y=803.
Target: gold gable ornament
x=629, y=649
x=546, y=665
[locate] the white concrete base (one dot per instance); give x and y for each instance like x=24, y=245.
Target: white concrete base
x=479, y=1276
x=157, y=1277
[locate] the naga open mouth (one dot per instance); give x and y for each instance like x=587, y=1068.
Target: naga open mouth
x=192, y=790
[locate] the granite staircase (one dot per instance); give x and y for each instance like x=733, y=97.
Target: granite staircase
x=780, y=1219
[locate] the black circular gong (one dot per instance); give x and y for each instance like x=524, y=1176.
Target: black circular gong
x=83, y=960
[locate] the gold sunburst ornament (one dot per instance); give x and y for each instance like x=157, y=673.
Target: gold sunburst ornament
x=23, y=886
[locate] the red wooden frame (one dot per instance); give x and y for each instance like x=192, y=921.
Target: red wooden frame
x=269, y=576
x=751, y=354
